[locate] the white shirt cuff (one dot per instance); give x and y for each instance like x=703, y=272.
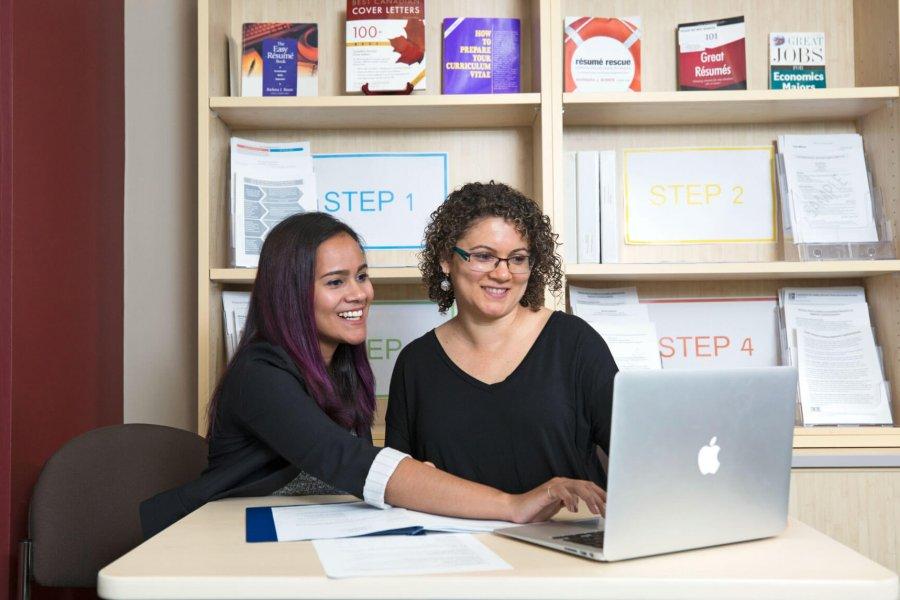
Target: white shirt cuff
x=381, y=470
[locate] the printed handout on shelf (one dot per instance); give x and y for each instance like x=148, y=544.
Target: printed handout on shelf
x=823, y=318
x=399, y=555
x=632, y=342
x=851, y=294
x=386, y=197
x=828, y=193
x=582, y=297
x=699, y=195
x=715, y=332
x=393, y=325
x=840, y=379
x=269, y=182
x=235, y=306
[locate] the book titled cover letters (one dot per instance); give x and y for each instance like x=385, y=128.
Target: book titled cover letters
x=385, y=45
x=796, y=60
x=602, y=54
x=481, y=56
x=280, y=59
x=712, y=55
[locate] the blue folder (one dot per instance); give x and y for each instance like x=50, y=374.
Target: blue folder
x=261, y=526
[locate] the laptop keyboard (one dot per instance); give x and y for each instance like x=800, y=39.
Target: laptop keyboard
x=590, y=538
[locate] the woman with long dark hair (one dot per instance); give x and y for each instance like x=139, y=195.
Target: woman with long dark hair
x=293, y=410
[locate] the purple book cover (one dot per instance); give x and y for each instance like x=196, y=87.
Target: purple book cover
x=481, y=56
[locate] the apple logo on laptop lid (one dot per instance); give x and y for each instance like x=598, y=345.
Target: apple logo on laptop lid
x=708, y=458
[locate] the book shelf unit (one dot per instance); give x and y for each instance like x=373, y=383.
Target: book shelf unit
x=520, y=139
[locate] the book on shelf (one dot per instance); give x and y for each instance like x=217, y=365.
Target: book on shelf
x=269, y=182
x=592, y=206
x=602, y=54
x=570, y=208
x=385, y=45
x=827, y=334
x=712, y=55
x=481, y=56
x=588, y=190
x=279, y=59
x=796, y=60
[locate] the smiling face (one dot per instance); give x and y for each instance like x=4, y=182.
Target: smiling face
x=342, y=294
x=496, y=293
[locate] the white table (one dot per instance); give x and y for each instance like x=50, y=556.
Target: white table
x=205, y=556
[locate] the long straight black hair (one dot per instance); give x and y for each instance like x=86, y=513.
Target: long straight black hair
x=282, y=313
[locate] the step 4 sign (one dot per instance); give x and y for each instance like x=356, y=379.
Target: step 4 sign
x=720, y=333
x=391, y=326
x=699, y=195
x=386, y=197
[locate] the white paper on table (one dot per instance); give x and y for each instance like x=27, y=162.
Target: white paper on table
x=348, y=519
x=269, y=182
x=828, y=186
x=393, y=325
x=455, y=524
x=582, y=298
x=633, y=343
x=406, y=555
x=840, y=379
x=717, y=333
x=351, y=519
x=699, y=195
x=823, y=318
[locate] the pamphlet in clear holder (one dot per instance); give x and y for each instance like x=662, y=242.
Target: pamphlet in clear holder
x=880, y=249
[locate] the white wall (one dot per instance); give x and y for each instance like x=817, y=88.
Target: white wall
x=160, y=212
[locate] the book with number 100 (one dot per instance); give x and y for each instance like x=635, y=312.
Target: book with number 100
x=385, y=45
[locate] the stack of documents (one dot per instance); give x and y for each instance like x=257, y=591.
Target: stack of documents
x=351, y=519
x=269, y=182
x=826, y=333
x=623, y=323
x=592, y=223
x=235, y=306
x=825, y=190
x=387, y=548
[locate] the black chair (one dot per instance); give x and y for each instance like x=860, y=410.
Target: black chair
x=84, y=508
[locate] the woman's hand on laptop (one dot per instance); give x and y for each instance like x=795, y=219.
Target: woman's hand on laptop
x=547, y=499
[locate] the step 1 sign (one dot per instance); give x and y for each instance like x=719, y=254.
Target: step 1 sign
x=699, y=195
x=386, y=197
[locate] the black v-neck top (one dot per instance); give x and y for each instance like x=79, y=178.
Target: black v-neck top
x=545, y=420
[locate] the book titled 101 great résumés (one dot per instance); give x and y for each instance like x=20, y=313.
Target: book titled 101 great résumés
x=712, y=55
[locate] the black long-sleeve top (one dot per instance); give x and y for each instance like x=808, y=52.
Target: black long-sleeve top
x=268, y=429
x=545, y=420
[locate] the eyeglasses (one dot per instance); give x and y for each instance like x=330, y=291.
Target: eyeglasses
x=485, y=262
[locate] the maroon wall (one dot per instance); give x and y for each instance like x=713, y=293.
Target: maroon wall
x=61, y=228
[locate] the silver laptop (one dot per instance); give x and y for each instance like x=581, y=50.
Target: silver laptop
x=697, y=458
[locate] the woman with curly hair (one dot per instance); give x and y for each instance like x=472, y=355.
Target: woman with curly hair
x=507, y=393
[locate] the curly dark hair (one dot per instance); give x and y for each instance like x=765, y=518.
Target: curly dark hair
x=474, y=201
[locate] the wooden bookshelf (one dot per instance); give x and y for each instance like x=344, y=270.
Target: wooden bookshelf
x=378, y=112
x=382, y=275
x=521, y=139
x=850, y=269
x=725, y=107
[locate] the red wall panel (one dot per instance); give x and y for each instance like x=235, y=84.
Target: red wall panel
x=66, y=218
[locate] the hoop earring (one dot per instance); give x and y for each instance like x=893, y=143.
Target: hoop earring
x=445, y=284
